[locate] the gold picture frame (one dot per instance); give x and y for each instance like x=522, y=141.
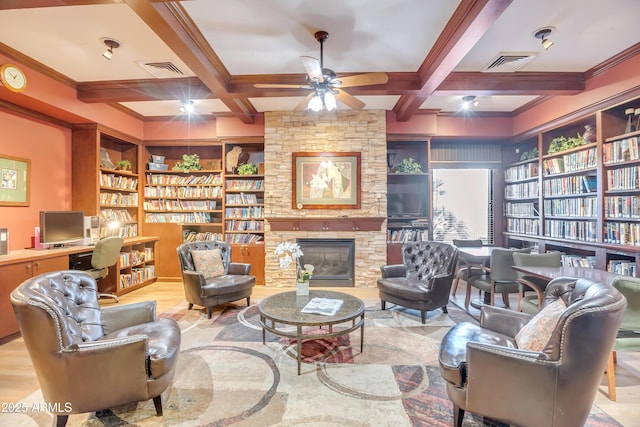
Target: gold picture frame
x=15, y=181
x=326, y=180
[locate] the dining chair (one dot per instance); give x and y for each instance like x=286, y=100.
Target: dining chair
x=628, y=337
x=464, y=269
x=499, y=277
x=527, y=302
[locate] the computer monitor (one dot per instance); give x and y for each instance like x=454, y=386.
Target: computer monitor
x=58, y=228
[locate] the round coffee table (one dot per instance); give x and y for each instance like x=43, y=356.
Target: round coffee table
x=285, y=309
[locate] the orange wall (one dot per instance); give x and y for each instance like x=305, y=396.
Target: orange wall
x=49, y=148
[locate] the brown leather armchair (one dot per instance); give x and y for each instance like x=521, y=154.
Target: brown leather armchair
x=423, y=281
x=89, y=358
x=485, y=373
x=236, y=284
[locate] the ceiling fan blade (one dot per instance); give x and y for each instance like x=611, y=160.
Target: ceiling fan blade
x=280, y=86
x=304, y=103
x=314, y=70
x=364, y=79
x=349, y=100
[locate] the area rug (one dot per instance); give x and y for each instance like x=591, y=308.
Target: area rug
x=226, y=376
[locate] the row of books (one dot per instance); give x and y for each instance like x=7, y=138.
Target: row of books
x=135, y=257
x=120, y=215
x=118, y=182
x=578, y=206
x=622, y=207
x=165, y=179
x=523, y=189
x=626, y=268
x=570, y=229
x=241, y=199
x=137, y=276
x=255, y=212
x=179, y=205
x=239, y=225
x=520, y=172
x=184, y=192
x=621, y=151
x=124, y=231
x=407, y=235
x=572, y=162
x=245, y=184
x=523, y=226
x=200, y=236
x=578, y=184
x=623, y=178
x=621, y=233
x=178, y=218
x=119, y=199
x=521, y=209
x=242, y=238
x=569, y=260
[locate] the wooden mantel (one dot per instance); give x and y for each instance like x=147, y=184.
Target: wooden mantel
x=326, y=223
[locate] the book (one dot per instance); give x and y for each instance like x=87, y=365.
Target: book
x=324, y=306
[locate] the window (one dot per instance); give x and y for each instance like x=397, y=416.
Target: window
x=462, y=204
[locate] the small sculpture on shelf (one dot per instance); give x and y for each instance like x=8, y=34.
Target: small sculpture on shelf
x=232, y=159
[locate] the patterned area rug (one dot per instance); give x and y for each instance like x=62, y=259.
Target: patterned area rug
x=226, y=376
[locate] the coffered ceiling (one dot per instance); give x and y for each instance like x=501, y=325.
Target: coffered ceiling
x=215, y=51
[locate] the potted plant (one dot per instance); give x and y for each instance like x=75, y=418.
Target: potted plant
x=408, y=165
x=247, y=169
x=189, y=162
x=562, y=143
x=123, y=165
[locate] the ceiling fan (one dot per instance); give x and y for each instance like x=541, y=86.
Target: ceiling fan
x=326, y=85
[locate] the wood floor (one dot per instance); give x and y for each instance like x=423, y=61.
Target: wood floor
x=17, y=378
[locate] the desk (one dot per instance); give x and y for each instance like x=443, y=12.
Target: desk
x=20, y=265
x=477, y=256
x=549, y=273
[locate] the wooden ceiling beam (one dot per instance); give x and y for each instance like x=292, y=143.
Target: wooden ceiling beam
x=470, y=21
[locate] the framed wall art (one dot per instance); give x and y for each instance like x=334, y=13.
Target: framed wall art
x=14, y=187
x=326, y=180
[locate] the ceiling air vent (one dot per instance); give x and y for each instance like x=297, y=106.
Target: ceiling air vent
x=507, y=63
x=162, y=69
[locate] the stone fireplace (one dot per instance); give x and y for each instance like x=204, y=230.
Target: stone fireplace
x=362, y=131
x=333, y=261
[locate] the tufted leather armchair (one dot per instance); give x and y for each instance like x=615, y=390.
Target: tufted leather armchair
x=238, y=283
x=423, y=281
x=89, y=358
x=485, y=373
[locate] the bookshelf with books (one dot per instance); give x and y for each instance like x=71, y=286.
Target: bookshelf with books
x=521, y=197
x=136, y=264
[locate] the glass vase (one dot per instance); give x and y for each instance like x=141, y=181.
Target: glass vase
x=302, y=287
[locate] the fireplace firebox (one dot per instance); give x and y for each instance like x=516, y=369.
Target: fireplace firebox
x=333, y=261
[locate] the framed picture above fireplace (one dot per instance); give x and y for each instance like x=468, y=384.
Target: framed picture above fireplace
x=326, y=180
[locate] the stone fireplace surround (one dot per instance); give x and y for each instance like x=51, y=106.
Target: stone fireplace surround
x=361, y=131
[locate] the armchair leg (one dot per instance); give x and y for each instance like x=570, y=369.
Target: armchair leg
x=157, y=402
x=458, y=415
x=444, y=309
x=383, y=304
x=60, y=420
x=209, y=312
x=423, y=316
x=454, y=287
x=190, y=306
x=467, y=297
x=611, y=376
x=248, y=301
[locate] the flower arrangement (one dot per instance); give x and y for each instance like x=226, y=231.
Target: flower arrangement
x=288, y=253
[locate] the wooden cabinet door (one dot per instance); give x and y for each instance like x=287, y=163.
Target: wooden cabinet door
x=251, y=254
x=10, y=277
x=48, y=265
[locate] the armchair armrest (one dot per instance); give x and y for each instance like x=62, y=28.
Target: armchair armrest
x=393, y=270
x=502, y=320
x=117, y=317
x=239, y=268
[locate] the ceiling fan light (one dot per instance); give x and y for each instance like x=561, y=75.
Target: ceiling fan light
x=330, y=101
x=315, y=103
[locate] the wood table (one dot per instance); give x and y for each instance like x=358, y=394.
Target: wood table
x=549, y=273
x=285, y=309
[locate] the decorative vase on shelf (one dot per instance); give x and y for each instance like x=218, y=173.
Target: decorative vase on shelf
x=589, y=134
x=302, y=287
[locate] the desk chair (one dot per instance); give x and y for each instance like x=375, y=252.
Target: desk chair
x=105, y=254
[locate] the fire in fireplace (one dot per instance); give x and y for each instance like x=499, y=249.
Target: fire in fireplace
x=333, y=261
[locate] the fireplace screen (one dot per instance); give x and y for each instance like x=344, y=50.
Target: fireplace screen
x=333, y=261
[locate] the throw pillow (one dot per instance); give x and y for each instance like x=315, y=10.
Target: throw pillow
x=208, y=262
x=537, y=332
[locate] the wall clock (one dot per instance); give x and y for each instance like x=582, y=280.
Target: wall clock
x=12, y=77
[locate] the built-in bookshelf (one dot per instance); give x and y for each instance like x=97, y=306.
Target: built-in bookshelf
x=244, y=208
x=521, y=193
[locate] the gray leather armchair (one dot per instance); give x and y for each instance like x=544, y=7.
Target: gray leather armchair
x=485, y=373
x=423, y=281
x=89, y=358
x=236, y=284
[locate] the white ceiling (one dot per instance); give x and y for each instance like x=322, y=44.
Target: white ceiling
x=253, y=37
